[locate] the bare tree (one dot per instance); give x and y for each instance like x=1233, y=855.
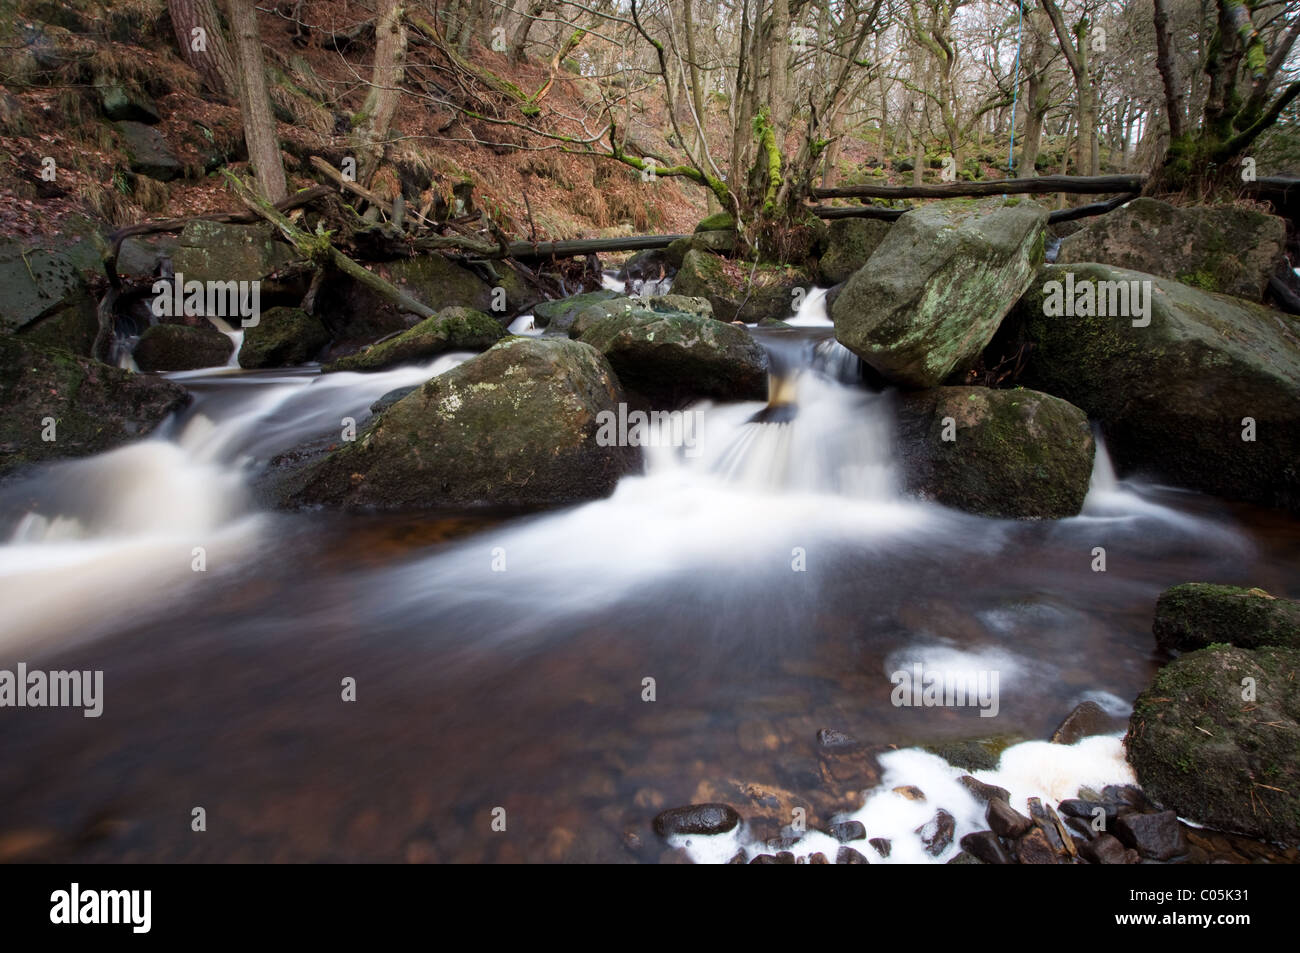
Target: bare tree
x=255, y=103
x=385, y=89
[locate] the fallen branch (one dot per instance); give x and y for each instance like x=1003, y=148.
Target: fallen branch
x=319, y=249
x=1086, y=211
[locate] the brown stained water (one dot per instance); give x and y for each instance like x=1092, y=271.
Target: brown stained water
x=522, y=689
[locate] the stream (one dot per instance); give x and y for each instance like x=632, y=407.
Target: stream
x=768, y=580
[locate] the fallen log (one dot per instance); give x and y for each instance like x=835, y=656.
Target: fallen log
x=588, y=246
x=1079, y=184
x=829, y=212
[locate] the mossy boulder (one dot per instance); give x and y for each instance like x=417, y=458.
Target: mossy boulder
x=671, y=358
x=1173, y=394
x=937, y=287
x=558, y=314
x=717, y=222
x=434, y=281
x=850, y=243
x=739, y=291
x=1224, y=248
x=718, y=241
x=588, y=317
x=44, y=296
x=179, y=347
x=516, y=425
x=1197, y=614
x=94, y=407
x=1004, y=453
x=216, y=251
x=593, y=314
x=1216, y=737
x=283, y=337
x=452, y=329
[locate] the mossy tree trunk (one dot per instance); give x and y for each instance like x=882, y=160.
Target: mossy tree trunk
x=1240, y=105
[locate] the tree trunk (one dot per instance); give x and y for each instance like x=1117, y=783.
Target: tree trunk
x=212, y=59
x=255, y=102
x=520, y=42
x=385, y=89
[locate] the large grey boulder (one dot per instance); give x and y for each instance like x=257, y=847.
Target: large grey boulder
x=217, y=251
x=516, y=425
x=937, y=287
x=850, y=243
x=1223, y=248
x=1201, y=389
x=1216, y=738
x=674, y=357
x=45, y=297
x=741, y=291
x=1005, y=453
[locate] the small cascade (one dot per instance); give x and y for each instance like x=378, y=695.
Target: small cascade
x=236, y=336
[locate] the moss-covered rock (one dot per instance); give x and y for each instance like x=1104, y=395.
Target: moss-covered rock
x=434, y=281
x=1197, y=614
x=120, y=102
x=215, y=251
x=593, y=314
x=178, y=347
x=452, y=329
x=674, y=357
x=676, y=251
x=681, y=303
x=1216, y=737
x=937, y=287
x=717, y=222
x=1173, y=393
x=283, y=337
x=1006, y=453
x=849, y=243
x=558, y=315
x=94, y=407
x=515, y=425
x=44, y=296
x=1222, y=248
x=739, y=291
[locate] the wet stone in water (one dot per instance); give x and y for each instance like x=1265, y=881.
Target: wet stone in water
x=697, y=819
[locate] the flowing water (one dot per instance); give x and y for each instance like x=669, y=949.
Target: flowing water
x=768, y=578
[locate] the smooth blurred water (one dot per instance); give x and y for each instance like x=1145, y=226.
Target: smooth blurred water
x=768, y=584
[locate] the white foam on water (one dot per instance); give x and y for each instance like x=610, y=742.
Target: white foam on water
x=111, y=537
x=1031, y=769
x=121, y=540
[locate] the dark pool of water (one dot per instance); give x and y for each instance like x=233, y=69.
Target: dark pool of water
x=470, y=699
